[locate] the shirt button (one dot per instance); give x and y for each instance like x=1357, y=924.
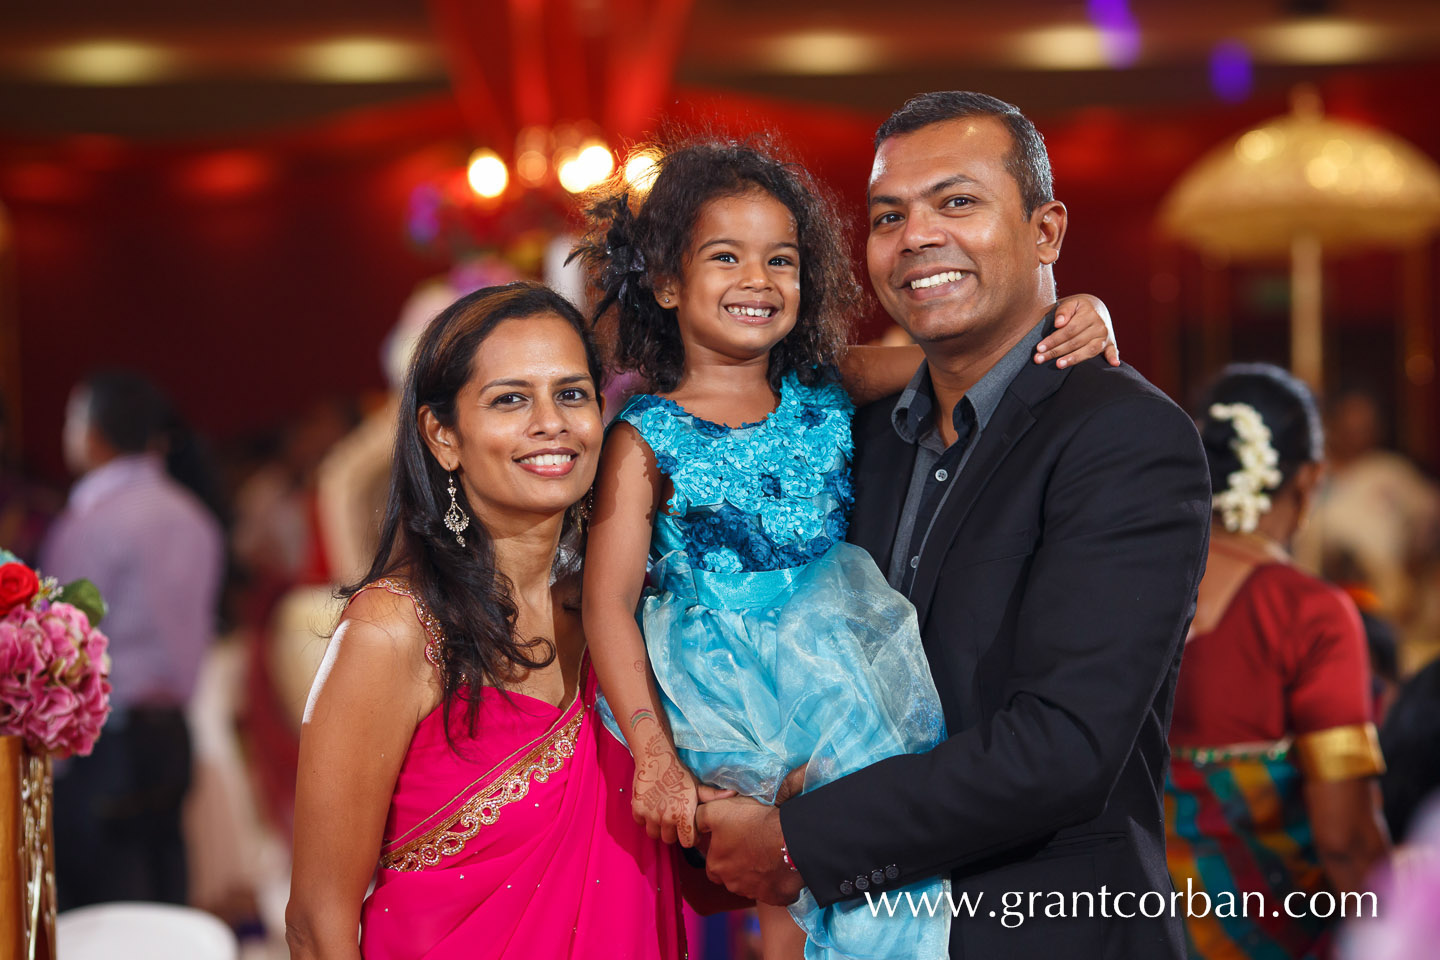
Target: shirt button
x=877, y=876
x=846, y=888
x=942, y=474
x=892, y=871
x=862, y=884
x=914, y=562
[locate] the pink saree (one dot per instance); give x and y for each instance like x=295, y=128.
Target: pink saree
x=524, y=847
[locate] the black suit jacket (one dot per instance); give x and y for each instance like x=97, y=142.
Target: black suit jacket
x=1053, y=596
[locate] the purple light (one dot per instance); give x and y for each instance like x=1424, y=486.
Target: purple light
x=1120, y=34
x=1111, y=14
x=1231, y=75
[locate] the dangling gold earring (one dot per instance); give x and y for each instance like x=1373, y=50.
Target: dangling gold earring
x=456, y=520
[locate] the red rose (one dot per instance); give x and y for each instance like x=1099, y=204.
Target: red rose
x=18, y=585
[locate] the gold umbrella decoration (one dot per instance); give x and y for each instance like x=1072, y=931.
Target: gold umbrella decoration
x=1300, y=184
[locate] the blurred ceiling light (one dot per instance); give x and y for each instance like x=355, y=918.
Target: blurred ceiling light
x=641, y=168
x=1327, y=40
x=579, y=172
x=107, y=63
x=364, y=60
x=487, y=174
x=1078, y=47
x=822, y=53
x=1257, y=145
x=596, y=160
x=532, y=166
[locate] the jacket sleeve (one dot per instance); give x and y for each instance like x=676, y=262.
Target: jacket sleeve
x=1106, y=601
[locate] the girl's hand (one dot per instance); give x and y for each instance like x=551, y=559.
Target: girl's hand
x=664, y=794
x=792, y=785
x=1082, y=330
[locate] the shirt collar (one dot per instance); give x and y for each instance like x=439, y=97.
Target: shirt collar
x=113, y=475
x=911, y=417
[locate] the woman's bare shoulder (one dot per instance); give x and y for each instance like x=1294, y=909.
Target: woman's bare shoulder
x=377, y=656
x=385, y=623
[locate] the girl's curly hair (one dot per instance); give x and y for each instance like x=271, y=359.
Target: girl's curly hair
x=629, y=251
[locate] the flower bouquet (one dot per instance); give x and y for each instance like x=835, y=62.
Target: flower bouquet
x=54, y=698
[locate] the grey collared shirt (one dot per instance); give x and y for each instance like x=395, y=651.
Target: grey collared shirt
x=936, y=467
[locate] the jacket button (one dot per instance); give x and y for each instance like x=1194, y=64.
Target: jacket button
x=862, y=883
x=846, y=888
x=877, y=876
x=892, y=871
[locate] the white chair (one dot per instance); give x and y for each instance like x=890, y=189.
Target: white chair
x=142, y=931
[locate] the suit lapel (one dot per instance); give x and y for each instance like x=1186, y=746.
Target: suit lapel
x=1012, y=419
x=881, y=474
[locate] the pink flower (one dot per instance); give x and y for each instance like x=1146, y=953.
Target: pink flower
x=61, y=637
x=19, y=656
x=50, y=713
x=92, y=708
x=53, y=671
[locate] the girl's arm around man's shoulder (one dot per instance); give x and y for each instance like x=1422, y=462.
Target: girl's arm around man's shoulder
x=1082, y=330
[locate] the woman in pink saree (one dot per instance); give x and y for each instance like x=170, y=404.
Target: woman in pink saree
x=450, y=740
x=536, y=856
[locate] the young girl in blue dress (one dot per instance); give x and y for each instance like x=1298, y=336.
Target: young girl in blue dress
x=768, y=655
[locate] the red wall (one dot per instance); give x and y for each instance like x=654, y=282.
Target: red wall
x=252, y=277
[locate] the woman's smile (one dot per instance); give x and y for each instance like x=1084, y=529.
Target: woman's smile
x=551, y=462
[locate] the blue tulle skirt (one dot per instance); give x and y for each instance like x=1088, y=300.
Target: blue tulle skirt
x=820, y=665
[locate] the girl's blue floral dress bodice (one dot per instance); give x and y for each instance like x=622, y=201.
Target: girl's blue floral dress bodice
x=773, y=642
x=769, y=495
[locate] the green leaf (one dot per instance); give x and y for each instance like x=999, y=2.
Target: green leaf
x=85, y=597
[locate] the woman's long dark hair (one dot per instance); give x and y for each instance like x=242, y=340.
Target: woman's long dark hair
x=462, y=587
x=628, y=252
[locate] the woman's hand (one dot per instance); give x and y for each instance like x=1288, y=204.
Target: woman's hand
x=1082, y=330
x=664, y=795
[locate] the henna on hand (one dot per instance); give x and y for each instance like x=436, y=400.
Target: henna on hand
x=664, y=791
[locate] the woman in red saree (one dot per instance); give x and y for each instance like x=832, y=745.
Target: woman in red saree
x=450, y=736
x=1271, y=800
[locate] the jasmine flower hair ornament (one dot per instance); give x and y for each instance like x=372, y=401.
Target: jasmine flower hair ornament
x=1244, y=501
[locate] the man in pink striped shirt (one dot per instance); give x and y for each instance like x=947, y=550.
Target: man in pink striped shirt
x=157, y=555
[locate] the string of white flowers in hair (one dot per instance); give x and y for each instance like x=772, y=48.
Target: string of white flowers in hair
x=1244, y=501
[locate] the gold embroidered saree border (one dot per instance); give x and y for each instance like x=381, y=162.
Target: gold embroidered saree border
x=449, y=837
x=434, y=646
x=1340, y=753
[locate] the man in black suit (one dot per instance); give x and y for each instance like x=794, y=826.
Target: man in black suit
x=1050, y=526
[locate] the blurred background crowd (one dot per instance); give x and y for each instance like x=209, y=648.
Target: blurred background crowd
x=222, y=226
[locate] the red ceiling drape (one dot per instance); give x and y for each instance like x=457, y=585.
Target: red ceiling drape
x=522, y=63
